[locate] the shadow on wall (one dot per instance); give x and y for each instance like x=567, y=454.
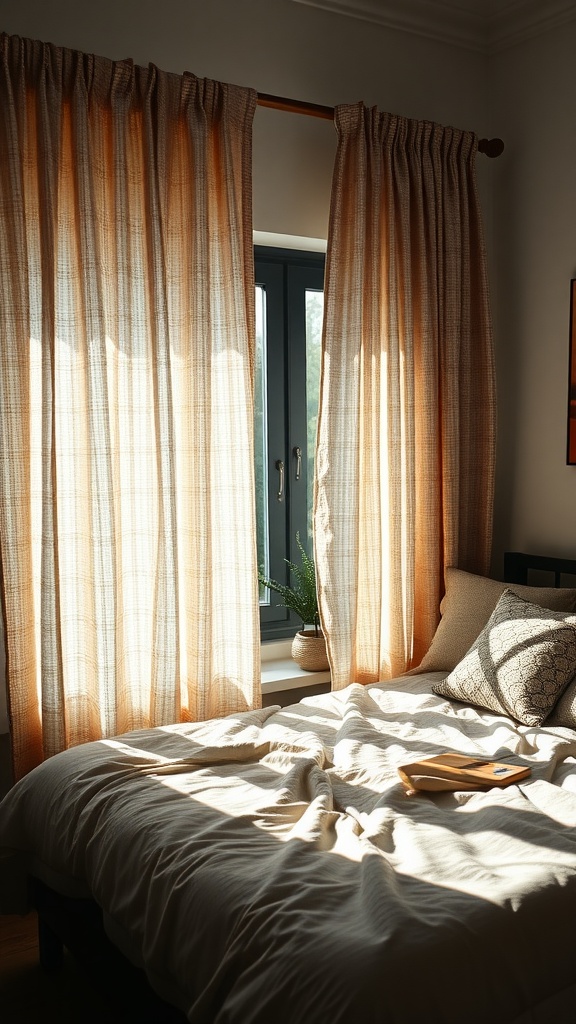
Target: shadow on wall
x=3, y=700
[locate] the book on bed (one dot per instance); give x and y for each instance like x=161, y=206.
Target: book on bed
x=459, y=771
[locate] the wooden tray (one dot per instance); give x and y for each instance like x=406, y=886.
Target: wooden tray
x=459, y=771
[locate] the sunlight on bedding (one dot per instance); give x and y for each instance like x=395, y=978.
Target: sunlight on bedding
x=287, y=830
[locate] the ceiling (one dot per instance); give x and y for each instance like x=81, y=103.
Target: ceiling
x=487, y=26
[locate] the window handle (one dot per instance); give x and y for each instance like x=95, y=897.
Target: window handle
x=280, y=468
x=298, y=456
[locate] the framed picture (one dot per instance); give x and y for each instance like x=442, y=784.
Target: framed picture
x=571, y=456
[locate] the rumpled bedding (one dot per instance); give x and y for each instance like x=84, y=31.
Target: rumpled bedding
x=268, y=868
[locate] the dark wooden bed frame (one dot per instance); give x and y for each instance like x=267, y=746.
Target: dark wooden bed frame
x=518, y=568
x=77, y=924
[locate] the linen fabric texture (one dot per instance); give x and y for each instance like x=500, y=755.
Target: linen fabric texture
x=468, y=602
x=519, y=665
x=323, y=893
x=127, y=519
x=406, y=425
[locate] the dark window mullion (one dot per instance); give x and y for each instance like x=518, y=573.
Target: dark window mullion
x=271, y=277
x=298, y=280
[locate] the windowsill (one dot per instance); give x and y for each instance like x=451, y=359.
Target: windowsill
x=280, y=671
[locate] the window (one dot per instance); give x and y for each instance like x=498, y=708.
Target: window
x=289, y=311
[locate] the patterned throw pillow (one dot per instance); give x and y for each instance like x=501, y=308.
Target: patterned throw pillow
x=520, y=664
x=564, y=712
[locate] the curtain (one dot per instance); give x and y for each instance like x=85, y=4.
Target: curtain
x=126, y=398
x=406, y=431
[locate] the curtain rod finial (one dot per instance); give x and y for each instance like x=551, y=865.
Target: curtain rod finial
x=491, y=147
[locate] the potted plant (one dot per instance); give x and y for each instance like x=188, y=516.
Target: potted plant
x=309, y=644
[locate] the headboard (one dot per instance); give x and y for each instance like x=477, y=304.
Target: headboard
x=517, y=566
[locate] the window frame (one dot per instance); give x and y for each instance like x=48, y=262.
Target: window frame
x=286, y=275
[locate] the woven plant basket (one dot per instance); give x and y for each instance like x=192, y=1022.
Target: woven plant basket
x=309, y=651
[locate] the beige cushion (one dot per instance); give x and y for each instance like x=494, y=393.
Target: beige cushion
x=466, y=607
x=522, y=661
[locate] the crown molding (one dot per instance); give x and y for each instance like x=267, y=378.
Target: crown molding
x=430, y=18
x=515, y=22
x=482, y=25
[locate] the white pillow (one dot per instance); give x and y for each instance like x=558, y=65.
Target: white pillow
x=520, y=664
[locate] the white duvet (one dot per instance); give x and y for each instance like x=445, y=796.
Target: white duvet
x=268, y=868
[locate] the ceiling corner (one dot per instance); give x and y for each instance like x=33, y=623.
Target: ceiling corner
x=487, y=26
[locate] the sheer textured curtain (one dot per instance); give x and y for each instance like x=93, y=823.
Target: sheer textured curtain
x=126, y=397
x=406, y=433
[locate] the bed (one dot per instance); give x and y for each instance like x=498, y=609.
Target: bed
x=270, y=866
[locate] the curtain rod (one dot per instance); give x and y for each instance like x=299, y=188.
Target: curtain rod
x=491, y=147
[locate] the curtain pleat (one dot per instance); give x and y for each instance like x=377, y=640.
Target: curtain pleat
x=127, y=523
x=406, y=432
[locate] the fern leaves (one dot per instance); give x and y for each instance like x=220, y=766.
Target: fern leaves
x=301, y=597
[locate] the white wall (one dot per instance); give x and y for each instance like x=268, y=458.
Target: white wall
x=534, y=99
x=284, y=48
